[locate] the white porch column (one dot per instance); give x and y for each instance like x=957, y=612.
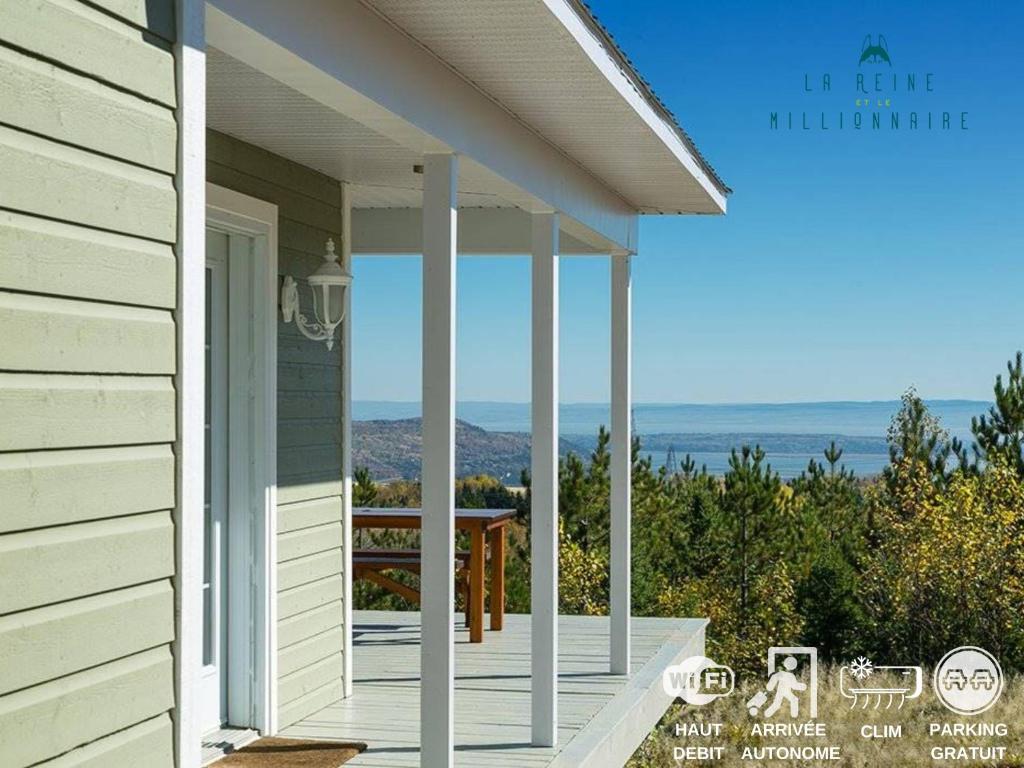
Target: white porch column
x=190, y=378
x=544, y=483
x=437, y=649
x=621, y=462
x=346, y=430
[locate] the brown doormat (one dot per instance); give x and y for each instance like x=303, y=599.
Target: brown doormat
x=272, y=752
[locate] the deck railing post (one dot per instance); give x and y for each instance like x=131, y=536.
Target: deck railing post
x=621, y=461
x=544, y=483
x=437, y=651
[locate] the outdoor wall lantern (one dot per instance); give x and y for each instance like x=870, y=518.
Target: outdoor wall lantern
x=329, y=284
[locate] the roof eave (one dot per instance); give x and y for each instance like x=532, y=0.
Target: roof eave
x=686, y=149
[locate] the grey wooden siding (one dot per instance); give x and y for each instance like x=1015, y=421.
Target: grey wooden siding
x=87, y=354
x=310, y=667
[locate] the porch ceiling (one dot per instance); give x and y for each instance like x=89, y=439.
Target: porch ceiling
x=254, y=107
x=551, y=65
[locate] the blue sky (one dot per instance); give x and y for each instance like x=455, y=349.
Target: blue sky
x=851, y=264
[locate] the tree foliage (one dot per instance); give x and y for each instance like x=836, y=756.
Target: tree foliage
x=926, y=557
x=1001, y=432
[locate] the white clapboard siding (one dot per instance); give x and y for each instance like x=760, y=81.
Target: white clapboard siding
x=45, y=333
x=44, y=488
x=308, y=405
x=310, y=378
x=47, y=720
x=51, y=179
x=292, y=602
x=310, y=651
x=299, y=238
x=308, y=541
x=299, y=432
x=306, y=625
x=290, y=203
x=308, y=569
x=311, y=460
x=307, y=679
x=307, y=514
x=258, y=163
x=53, y=564
x=92, y=42
x=56, y=411
x=315, y=700
x=308, y=490
x=88, y=227
x=156, y=16
x=37, y=96
x=145, y=745
x=56, y=640
x=45, y=256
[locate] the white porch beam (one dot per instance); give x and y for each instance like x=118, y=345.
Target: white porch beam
x=621, y=461
x=482, y=231
x=348, y=57
x=544, y=483
x=437, y=650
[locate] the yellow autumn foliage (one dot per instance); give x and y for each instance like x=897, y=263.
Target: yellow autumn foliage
x=949, y=564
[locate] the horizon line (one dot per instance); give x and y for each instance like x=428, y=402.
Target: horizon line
x=660, y=403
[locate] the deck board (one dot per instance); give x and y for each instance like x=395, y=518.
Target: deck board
x=492, y=689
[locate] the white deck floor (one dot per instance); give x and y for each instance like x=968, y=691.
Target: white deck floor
x=602, y=717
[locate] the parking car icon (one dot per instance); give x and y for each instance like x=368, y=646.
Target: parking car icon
x=968, y=680
x=982, y=678
x=954, y=678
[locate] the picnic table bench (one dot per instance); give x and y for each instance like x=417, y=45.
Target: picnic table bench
x=370, y=564
x=486, y=528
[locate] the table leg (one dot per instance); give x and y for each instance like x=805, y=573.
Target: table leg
x=476, y=589
x=497, y=541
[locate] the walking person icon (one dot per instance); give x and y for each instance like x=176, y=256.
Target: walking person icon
x=786, y=686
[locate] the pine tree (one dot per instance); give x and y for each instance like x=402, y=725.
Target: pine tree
x=1002, y=431
x=364, y=490
x=916, y=436
x=832, y=455
x=749, y=523
x=688, y=468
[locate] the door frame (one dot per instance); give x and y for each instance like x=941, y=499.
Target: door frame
x=252, y=463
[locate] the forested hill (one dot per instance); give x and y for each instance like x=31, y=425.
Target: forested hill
x=390, y=449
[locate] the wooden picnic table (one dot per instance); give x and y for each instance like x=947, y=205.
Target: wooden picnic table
x=486, y=529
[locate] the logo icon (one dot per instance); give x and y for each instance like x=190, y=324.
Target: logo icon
x=968, y=680
x=787, y=683
x=861, y=681
x=698, y=680
x=874, y=53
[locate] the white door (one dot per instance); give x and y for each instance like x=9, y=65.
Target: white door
x=236, y=686
x=215, y=560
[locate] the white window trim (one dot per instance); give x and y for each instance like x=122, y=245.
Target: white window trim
x=255, y=677
x=190, y=74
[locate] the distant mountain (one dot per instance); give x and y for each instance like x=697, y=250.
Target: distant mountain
x=391, y=450
x=863, y=419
